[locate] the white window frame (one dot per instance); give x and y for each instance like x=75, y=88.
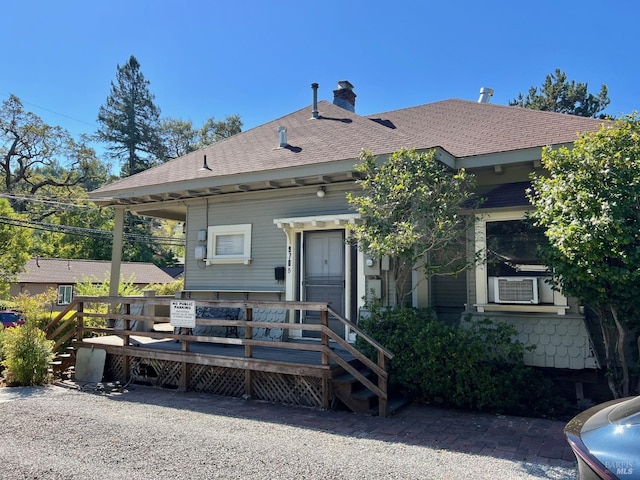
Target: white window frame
x=560, y=302
x=215, y=235
x=62, y=290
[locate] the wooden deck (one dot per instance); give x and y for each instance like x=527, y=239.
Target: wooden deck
x=299, y=372
x=271, y=354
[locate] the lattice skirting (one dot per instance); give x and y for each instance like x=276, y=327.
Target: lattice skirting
x=289, y=389
x=272, y=387
x=158, y=373
x=218, y=380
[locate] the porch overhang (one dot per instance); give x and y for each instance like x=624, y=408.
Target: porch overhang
x=169, y=201
x=317, y=222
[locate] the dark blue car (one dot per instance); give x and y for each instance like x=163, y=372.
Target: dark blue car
x=606, y=440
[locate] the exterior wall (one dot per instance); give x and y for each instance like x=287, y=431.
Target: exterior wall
x=559, y=341
x=268, y=243
x=31, y=288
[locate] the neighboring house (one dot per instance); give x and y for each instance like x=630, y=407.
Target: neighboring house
x=175, y=272
x=42, y=274
x=266, y=214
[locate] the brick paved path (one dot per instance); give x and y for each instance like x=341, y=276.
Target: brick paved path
x=512, y=438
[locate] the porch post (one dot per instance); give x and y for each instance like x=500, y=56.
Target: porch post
x=382, y=385
x=482, y=294
x=116, y=251
x=326, y=384
x=248, y=353
x=114, y=280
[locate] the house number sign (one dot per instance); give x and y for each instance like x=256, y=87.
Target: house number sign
x=183, y=313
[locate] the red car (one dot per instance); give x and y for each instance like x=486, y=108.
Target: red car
x=11, y=318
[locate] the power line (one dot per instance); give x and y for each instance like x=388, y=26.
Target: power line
x=89, y=232
x=31, y=198
x=52, y=111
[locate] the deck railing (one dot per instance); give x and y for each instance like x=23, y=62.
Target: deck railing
x=72, y=324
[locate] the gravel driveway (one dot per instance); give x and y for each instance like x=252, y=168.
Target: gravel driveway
x=59, y=433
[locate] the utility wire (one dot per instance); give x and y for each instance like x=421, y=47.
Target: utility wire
x=29, y=198
x=89, y=232
x=52, y=111
x=55, y=202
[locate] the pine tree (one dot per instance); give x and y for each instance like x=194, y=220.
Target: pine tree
x=559, y=95
x=129, y=120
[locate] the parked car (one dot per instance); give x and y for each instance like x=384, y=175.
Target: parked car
x=606, y=440
x=11, y=318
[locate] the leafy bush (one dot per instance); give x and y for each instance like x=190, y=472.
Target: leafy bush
x=38, y=308
x=92, y=287
x=167, y=288
x=2, y=356
x=477, y=366
x=26, y=354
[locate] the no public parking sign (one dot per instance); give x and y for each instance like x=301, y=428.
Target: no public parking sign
x=183, y=313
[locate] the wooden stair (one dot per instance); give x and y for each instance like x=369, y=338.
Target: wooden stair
x=351, y=394
x=63, y=362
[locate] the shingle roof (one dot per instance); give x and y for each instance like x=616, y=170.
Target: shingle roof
x=337, y=135
x=461, y=127
x=61, y=271
x=466, y=128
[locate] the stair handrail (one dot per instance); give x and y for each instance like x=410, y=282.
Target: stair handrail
x=63, y=332
x=362, y=334
x=54, y=321
x=379, y=368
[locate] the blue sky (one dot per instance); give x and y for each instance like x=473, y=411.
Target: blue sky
x=258, y=58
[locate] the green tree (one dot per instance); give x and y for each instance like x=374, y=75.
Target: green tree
x=129, y=120
x=145, y=241
x=179, y=137
x=78, y=230
x=588, y=202
x=413, y=210
x=559, y=95
x=36, y=157
x=215, y=130
x=15, y=243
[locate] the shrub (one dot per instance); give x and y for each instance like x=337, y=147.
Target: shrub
x=92, y=287
x=27, y=354
x=2, y=348
x=38, y=308
x=167, y=288
x=478, y=366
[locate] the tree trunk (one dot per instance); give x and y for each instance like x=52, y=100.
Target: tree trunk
x=609, y=352
x=622, y=351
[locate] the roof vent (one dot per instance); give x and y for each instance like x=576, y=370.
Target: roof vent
x=204, y=164
x=344, y=97
x=314, y=113
x=282, y=133
x=485, y=95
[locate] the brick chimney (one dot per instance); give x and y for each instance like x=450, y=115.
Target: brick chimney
x=344, y=97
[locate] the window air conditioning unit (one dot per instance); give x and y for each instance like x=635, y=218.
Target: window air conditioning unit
x=516, y=290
